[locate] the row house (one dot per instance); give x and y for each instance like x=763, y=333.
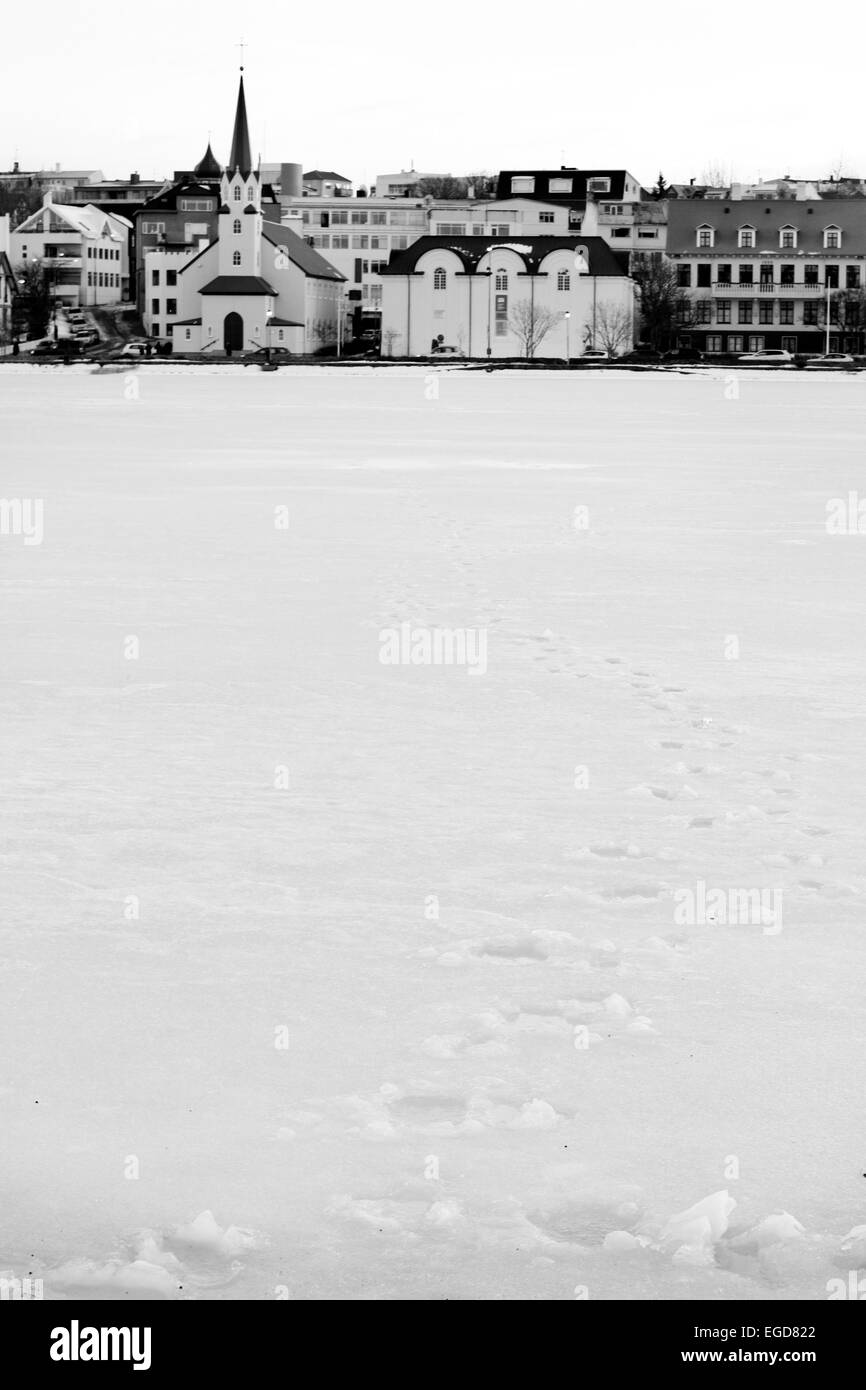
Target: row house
x=757, y=275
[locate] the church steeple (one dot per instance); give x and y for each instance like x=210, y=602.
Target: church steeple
x=241, y=158
x=207, y=167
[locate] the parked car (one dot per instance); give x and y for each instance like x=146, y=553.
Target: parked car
x=64, y=347
x=267, y=354
x=594, y=355
x=443, y=350
x=683, y=354
x=768, y=357
x=642, y=352
x=829, y=360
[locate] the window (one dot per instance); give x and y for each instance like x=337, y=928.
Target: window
x=744, y=314
x=832, y=238
x=500, y=229
x=598, y=185
x=154, y=330
x=559, y=185
x=196, y=205
x=747, y=274
x=154, y=306
x=440, y=279
x=613, y=209
x=788, y=238
x=563, y=280
x=522, y=183
x=321, y=241
x=187, y=333
x=399, y=243
x=340, y=241
x=339, y=218
x=360, y=242
x=378, y=243
x=735, y=342
x=810, y=276
x=378, y=219
x=684, y=276
x=152, y=228
x=789, y=344
x=236, y=226
x=236, y=194
x=281, y=335
x=786, y=312
x=705, y=236
x=236, y=258
x=649, y=232
x=723, y=275
x=171, y=306
x=171, y=277
x=251, y=194
x=765, y=311
x=746, y=237
x=620, y=231
x=756, y=342
x=831, y=277
x=703, y=311
x=450, y=229
x=786, y=276
x=810, y=313
x=169, y=329
x=852, y=277
x=714, y=342
x=359, y=219
x=154, y=277
x=723, y=311
x=546, y=217
x=704, y=274
x=502, y=280
x=501, y=315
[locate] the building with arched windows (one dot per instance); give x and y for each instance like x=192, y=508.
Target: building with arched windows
x=255, y=284
x=481, y=296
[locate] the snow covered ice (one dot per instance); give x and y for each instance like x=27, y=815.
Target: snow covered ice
x=330, y=978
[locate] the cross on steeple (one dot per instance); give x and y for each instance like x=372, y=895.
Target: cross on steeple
x=242, y=46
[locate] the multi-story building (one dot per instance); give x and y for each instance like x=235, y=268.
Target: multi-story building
x=570, y=185
x=324, y=183
x=357, y=236
x=402, y=185
x=757, y=275
x=135, y=189
x=481, y=296
x=83, y=248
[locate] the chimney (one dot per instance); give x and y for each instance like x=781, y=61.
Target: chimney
x=135, y=178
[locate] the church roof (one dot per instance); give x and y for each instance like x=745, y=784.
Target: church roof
x=283, y=323
x=238, y=284
x=240, y=158
x=208, y=167
x=304, y=256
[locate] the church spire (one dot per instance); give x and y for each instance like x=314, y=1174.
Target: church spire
x=240, y=158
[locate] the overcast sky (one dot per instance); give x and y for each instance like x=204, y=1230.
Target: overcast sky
x=756, y=90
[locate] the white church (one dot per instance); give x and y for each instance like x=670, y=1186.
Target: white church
x=249, y=288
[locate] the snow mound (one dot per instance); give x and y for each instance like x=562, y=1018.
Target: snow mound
x=692, y=1235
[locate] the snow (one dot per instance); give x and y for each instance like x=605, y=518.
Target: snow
x=325, y=978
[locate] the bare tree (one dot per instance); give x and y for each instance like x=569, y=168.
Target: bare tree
x=531, y=323
x=714, y=175
x=613, y=327
x=847, y=314
x=664, y=305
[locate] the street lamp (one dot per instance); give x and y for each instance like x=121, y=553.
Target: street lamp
x=567, y=339
x=489, y=299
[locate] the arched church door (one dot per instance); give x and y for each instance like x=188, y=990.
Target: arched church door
x=233, y=332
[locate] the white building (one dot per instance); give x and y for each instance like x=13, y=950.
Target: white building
x=472, y=293
x=85, y=249
x=357, y=235
x=248, y=288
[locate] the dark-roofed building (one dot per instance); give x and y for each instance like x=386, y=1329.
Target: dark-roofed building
x=480, y=295
x=569, y=185
x=757, y=275
x=325, y=183
x=249, y=284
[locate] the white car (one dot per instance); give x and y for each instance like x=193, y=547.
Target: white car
x=829, y=360
x=769, y=357
x=593, y=355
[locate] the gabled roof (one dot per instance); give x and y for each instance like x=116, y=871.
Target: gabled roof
x=532, y=250
x=304, y=256
x=238, y=284
x=326, y=174
x=283, y=323
x=188, y=323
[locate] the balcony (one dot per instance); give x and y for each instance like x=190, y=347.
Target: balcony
x=772, y=290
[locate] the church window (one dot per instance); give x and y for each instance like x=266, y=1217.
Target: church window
x=236, y=194
x=502, y=279
x=236, y=258
x=251, y=193
x=439, y=279
x=236, y=226
x=563, y=280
